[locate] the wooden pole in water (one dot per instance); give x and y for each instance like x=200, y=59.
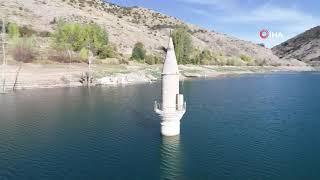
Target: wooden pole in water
x=90, y=60
x=89, y=70
x=3, y=56
x=69, y=67
x=17, y=76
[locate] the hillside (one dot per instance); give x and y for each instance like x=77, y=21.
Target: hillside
x=126, y=26
x=304, y=47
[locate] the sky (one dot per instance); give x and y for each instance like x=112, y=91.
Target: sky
x=243, y=19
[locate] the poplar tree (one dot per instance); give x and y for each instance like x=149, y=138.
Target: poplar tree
x=182, y=44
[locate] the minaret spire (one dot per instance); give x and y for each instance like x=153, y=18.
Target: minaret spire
x=170, y=65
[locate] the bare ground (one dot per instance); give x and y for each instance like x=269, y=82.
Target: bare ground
x=64, y=75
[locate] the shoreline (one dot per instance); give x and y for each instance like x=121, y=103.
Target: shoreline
x=43, y=76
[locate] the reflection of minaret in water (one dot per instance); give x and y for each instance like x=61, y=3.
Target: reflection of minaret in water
x=173, y=106
x=171, y=160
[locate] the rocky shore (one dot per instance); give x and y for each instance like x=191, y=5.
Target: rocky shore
x=62, y=75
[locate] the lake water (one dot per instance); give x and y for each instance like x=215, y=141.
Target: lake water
x=245, y=127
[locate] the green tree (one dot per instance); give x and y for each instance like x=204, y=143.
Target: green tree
x=68, y=35
x=206, y=57
x=183, y=44
x=13, y=30
x=95, y=37
x=138, y=52
x=76, y=37
x=195, y=57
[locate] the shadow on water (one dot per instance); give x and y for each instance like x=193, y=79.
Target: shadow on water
x=171, y=158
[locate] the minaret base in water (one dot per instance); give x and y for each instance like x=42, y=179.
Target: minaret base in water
x=170, y=124
x=173, y=106
x=170, y=128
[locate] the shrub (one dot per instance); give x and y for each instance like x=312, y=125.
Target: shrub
x=245, y=58
x=16, y=31
x=23, y=50
x=205, y=57
x=162, y=26
x=153, y=59
x=183, y=44
x=13, y=30
x=25, y=31
x=234, y=61
x=108, y=51
x=138, y=52
x=220, y=59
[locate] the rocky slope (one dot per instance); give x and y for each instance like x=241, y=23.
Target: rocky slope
x=126, y=26
x=305, y=47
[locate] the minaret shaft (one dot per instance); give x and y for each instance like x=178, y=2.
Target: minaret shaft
x=170, y=89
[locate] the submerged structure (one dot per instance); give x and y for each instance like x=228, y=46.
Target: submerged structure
x=172, y=107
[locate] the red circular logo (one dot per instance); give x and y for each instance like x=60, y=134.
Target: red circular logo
x=264, y=34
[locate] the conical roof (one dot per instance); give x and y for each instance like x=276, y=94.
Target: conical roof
x=170, y=65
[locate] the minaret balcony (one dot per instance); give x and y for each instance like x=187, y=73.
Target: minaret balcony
x=180, y=109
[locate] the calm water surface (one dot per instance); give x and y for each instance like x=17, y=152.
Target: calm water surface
x=247, y=127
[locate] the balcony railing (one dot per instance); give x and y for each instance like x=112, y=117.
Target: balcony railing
x=159, y=109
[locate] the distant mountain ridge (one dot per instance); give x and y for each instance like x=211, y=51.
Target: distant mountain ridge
x=128, y=25
x=304, y=47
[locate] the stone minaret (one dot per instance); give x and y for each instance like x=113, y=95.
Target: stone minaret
x=173, y=106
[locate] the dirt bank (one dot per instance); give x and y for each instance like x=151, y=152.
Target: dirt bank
x=64, y=75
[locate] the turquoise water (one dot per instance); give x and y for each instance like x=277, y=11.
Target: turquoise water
x=246, y=127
